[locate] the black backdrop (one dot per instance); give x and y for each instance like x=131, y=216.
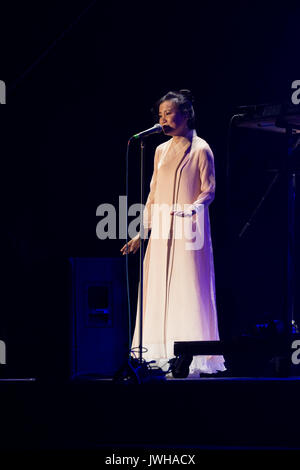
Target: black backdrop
x=81, y=78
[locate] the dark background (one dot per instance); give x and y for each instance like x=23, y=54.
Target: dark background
x=81, y=79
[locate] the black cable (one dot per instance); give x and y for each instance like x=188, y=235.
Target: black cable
x=228, y=160
x=130, y=350
x=248, y=223
x=49, y=48
x=127, y=270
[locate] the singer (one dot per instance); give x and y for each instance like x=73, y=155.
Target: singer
x=179, y=301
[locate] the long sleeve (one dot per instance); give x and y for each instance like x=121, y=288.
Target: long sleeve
x=147, y=215
x=207, y=177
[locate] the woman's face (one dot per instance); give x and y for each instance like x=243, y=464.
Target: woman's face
x=172, y=120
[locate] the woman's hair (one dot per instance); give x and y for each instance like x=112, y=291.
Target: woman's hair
x=184, y=101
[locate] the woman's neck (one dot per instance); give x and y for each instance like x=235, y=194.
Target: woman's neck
x=187, y=133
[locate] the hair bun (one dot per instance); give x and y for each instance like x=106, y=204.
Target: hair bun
x=187, y=94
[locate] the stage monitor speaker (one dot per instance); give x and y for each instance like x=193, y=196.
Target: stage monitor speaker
x=99, y=317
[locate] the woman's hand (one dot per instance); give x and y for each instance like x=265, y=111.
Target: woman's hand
x=187, y=213
x=132, y=246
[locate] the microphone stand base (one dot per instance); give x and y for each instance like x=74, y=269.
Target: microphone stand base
x=136, y=372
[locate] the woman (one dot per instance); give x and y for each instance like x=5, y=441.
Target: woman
x=179, y=286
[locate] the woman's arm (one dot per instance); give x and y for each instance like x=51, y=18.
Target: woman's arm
x=207, y=177
x=208, y=183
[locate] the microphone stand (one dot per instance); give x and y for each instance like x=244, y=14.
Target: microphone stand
x=140, y=371
x=142, y=245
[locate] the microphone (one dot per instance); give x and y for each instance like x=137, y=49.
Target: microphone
x=153, y=130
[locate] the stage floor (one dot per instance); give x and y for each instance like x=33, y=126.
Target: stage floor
x=219, y=412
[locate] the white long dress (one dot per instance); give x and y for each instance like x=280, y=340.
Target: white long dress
x=179, y=301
